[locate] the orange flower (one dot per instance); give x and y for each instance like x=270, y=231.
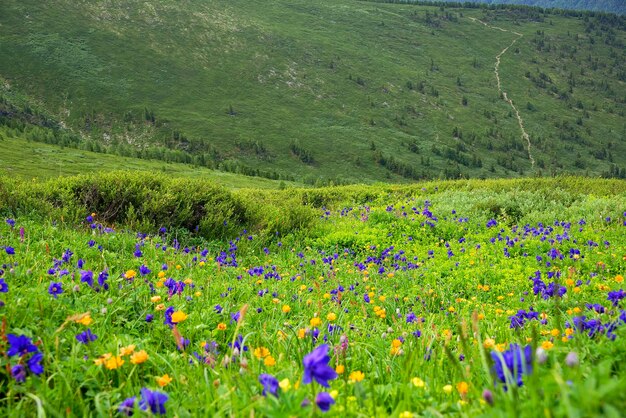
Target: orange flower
x=139, y=357
x=340, y=369
x=130, y=274
x=178, y=316
x=114, y=362
x=261, y=352
x=356, y=376
x=102, y=359
x=85, y=320
x=128, y=350
x=463, y=388
x=221, y=326
x=269, y=361
x=163, y=380
x=315, y=322
x=286, y=308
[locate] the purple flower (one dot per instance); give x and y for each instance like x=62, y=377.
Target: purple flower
x=323, y=400
x=127, y=406
x=10, y=222
x=616, y=296
x=9, y=250
x=86, y=276
x=34, y=364
x=143, y=270
x=316, y=366
x=20, y=344
x=149, y=317
x=512, y=364
x=55, y=289
x=86, y=337
x=270, y=384
x=19, y=373
x=168, y=316
x=4, y=287
x=153, y=401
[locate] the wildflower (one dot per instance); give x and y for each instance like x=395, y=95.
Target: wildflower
x=269, y=361
x=164, y=380
x=447, y=389
x=323, y=400
x=178, y=317
x=20, y=344
x=55, y=289
x=270, y=384
x=153, y=401
x=463, y=388
x=149, y=318
x=128, y=350
x=489, y=343
x=127, y=406
x=406, y=414
x=102, y=359
x=488, y=396
x=114, y=362
x=316, y=366
x=286, y=308
x=9, y=250
x=130, y=274
x=340, y=369
x=221, y=326
x=417, y=382
x=356, y=376
x=4, y=287
x=86, y=337
x=261, y=352
x=547, y=345
x=315, y=322
x=285, y=384
x=19, y=373
x=139, y=357
x=513, y=362
x=331, y=316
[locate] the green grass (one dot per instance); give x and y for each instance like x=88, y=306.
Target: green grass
x=333, y=76
x=461, y=278
x=28, y=160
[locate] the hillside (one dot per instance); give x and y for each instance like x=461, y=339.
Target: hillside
x=608, y=6
x=317, y=91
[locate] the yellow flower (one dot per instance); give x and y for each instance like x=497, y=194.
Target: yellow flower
x=463, y=388
x=417, y=382
x=128, y=350
x=85, y=320
x=130, y=274
x=155, y=299
x=315, y=322
x=396, y=343
x=284, y=384
x=178, y=316
x=334, y=393
x=286, y=308
x=261, y=352
x=161, y=274
x=488, y=343
x=447, y=389
x=160, y=307
x=619, y=278
x=555, y=332
x=102, y=359
x=188, y=281
x=501, y=347
x=139, y=357
x=198, y=294
x=163, y=380
x=547, y=345
x=356, y=376
x=269, y=361
x=114, y=362
x=331, y=316
x=221, y=326
x=301, y=333
x=406, y=414
x=340, y=369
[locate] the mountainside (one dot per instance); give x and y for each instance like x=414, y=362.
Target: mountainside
x=609, y=6
x=312, y=91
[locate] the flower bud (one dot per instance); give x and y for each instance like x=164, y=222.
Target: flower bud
x=572, y=359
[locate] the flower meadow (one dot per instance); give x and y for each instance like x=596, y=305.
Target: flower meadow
x=429, y=304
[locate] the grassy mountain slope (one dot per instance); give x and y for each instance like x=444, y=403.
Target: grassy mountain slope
x=350, y=91
x=23, y=158
x=610, y=6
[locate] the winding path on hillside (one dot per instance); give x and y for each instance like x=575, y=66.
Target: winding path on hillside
x=520, y=121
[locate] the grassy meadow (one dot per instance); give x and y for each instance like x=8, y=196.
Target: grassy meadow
x=143, y=294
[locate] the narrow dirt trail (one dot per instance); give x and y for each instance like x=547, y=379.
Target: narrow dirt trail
x=520, y=121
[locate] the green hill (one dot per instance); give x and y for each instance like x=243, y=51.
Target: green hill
x=610, y=6
x=316, y=91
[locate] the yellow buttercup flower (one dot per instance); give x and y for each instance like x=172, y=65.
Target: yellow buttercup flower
x=261, y=352
x=447, y=389
x=269, y=361
x=356, y=376
x=331, y=316
x=102, y=359
x=315, y=322
x=284, y=384
x=463, y=388
x=340, y=369
x=130, y=274
x=417, y=382
x=286, y=308
x=85, y=320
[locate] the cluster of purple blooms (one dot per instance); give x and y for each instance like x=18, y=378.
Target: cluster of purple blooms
x=547, y=290
x=316, y=368
x=150, y=401
x=521, y=317
x=594, y=327
x=510, y=365
x=29, y=357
